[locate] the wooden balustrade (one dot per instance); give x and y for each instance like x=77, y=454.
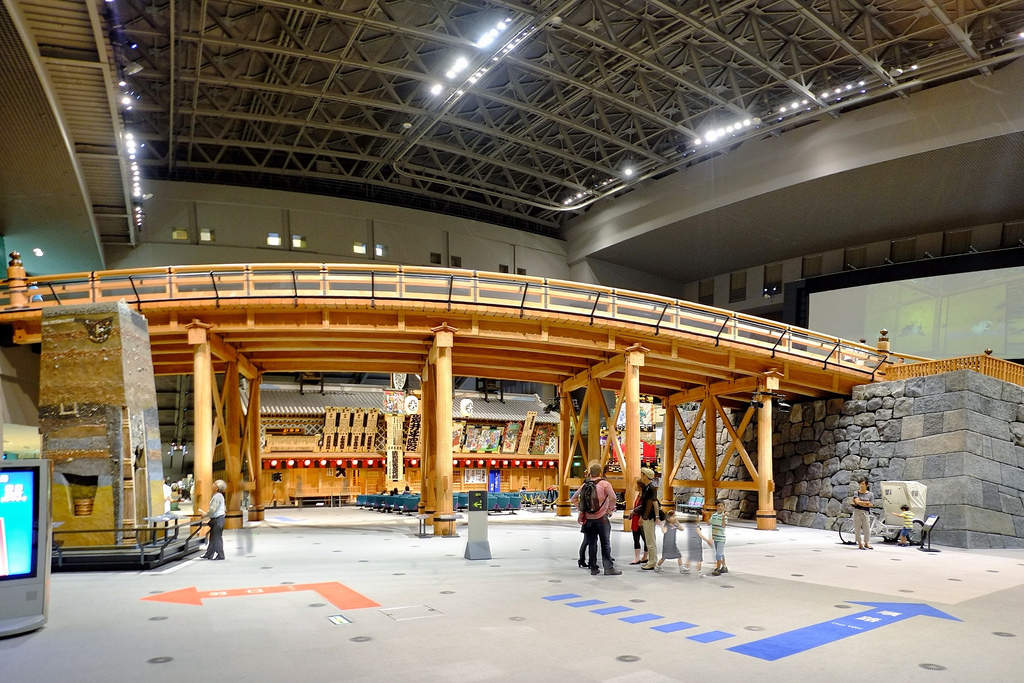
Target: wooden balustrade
x=987, y=365
x=376, y=285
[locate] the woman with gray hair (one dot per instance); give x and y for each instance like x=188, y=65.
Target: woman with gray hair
x=215, y=547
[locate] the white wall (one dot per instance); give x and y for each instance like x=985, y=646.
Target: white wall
x=240, y=219
x=19, y=384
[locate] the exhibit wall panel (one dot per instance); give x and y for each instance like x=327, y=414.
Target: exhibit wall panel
x=328, y=233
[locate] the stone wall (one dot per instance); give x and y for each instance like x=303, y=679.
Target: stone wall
x=960, y=433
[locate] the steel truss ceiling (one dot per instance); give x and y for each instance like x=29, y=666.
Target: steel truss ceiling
x=574, y=100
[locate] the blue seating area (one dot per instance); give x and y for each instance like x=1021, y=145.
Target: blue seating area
x=405, y=503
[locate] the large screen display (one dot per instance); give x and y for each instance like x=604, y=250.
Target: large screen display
x=944, y=316
x=19, y=523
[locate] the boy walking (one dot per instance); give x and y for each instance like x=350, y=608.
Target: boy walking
x=718, y=523
x=908, y=525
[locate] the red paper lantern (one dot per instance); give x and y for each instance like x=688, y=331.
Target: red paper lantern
x=415, y=462
x=323, y=463
x=339, y=463
x=369, y=463
x=529, y=463
x=355, y=463
x=518, y=463
x=307, y=463
x=273, y=463
x=455, y=462
x=493, y=463
x=291, y=463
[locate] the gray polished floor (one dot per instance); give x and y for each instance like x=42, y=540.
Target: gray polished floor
x=409, y=609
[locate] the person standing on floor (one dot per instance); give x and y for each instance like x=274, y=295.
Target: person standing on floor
x=695, y=540
x=718, y=522
x=215, y=548
x=862, y=502
x=638, y=534
x=596, y=502
x=648, y=511
x=669, y=549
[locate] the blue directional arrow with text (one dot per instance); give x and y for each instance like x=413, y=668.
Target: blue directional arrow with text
x=809, y=637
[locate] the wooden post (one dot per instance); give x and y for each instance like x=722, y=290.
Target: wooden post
x=428, y=435
x=202, y=379
x=668, y=462
x=16, y=291
x=595, y=401
x=443, y=341
x=233, y=447
x=563, y=509
x=710, y=455
x=631, y=387
x=255, y=454
x=765, y=482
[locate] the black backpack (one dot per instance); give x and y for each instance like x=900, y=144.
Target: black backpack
x=588, y=496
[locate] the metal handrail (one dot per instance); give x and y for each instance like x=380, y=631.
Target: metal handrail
x=438, y=286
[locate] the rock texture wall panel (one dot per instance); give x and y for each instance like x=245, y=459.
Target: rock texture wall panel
x=97, y=413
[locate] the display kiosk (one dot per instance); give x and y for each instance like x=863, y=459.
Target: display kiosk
x=25, y=540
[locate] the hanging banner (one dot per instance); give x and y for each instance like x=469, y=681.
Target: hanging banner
x=394, y=459
x=524, y=439
x=394, y=401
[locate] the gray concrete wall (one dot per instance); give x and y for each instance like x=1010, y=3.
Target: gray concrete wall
x=960, y=433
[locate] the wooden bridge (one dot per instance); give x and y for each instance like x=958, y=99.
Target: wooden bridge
x=252, y=319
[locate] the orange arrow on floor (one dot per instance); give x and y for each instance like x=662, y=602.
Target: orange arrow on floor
x=338, y=595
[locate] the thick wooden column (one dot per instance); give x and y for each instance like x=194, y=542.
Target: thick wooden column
x=765, y=481
x=595, y=404
x=668, y=458
x=253, y=449
x=710, y=454
x=202, y=383
x=233, y=447
x=563, y=508
x=428, y=434
x=631, y=388
x=444, y=337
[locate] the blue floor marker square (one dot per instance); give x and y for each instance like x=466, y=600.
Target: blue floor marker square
x=612, y=610
x=640, y=618
x=563, y=596
x=710, y=636
x=586, y=603
x=673, y=627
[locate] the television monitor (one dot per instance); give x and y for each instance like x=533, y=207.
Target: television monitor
x=25, y=545
x=19, y=523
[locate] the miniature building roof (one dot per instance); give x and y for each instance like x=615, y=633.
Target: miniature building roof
x=515, y=407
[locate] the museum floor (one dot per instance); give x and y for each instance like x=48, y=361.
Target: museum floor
x=409, y=609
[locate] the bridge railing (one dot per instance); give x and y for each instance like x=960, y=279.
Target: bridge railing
x=375, y=285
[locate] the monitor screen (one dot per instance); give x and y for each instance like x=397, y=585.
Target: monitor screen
x=19, y=523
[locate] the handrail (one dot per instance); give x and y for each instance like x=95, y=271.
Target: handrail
x=376, y=284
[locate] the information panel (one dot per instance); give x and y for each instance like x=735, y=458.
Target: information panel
x=19, y=523
x=25, y=538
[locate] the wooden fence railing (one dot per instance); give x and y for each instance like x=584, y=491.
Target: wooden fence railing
x=985, y=364
x=238, y=285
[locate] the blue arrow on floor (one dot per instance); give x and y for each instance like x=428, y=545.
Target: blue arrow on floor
x=809, y=637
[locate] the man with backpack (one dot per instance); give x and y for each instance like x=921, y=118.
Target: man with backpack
x=596, y=500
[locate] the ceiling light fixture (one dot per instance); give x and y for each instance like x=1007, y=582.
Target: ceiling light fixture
x=37, y=251
x=436, y=89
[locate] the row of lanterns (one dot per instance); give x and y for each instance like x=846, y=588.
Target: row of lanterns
x=379, y=462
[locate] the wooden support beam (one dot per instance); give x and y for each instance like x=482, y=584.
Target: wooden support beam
x=444, y=339
x=747, y=385
x=598, y=371
x=229, y=353
x=766, y=482
x=563, y=509
x=710, y=455
x=631, y=392
x=203, y=416
x=232, y=443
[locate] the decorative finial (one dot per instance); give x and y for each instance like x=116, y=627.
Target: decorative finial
x=15, y=259
x=988, y=352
